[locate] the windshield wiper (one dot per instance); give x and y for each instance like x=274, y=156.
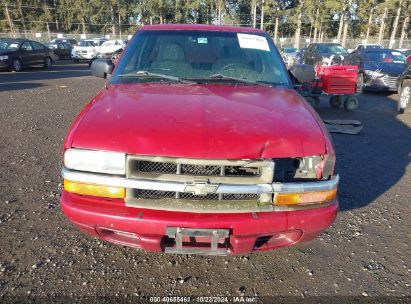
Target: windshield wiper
x=242, y=80
x=147, y=74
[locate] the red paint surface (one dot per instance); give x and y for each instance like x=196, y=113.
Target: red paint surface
x=200, y=121
x=92, y=215
x=211, y=121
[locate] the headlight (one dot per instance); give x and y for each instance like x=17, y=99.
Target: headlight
x=328, y=165
x=95, y=161
x=4, y=57
x=310, y=167
x=373, y=74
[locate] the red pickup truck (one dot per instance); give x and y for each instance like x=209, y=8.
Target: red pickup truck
x=199, y=144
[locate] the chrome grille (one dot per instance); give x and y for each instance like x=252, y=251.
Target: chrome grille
x=200, y=179
x=200, y=170
x=187, y=170
x=157, y=194
x=194, y=170
x=390, y=81
x=145, y=166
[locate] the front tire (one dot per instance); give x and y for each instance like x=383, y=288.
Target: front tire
x=48, y=62
x=404, y=101
x=360, y=83
x=17, y=65
x=350, y=104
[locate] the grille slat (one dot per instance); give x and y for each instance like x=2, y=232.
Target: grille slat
x=196, y=170
x=390, y=81
x=157, y=194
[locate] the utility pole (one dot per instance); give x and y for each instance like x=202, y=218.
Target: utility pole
x=340, y=27
x=22, y=18
x=394, y=29
x=57, y=23
x=369, y=24
x=113, y=26
x=404, y=30
x=298, y=30
x=254, y=12
x=382, y=26
x=119, y=19
x=276, y=26
x=317, y=14
x=12, y=31
x=345, y=31
x=262, y=15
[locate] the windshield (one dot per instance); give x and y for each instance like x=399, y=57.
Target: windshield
x=200, y=55
x=373, y=46
x=87, y=43
x=331, y=48
x=108, y=43
x=290, y=50
x=8, y=45
x=384, y=56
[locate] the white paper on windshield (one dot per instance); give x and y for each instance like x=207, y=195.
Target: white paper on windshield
x=248, y=41
x=13, y=45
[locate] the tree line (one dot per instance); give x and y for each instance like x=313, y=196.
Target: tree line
x=340, y=19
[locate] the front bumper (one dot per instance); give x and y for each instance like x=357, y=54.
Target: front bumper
x=146, y=229
x=4, y=64
x=87, y=56
x=245, y=229
x=381, y=84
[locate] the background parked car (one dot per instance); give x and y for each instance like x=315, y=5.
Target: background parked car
x=73, y=42
x=378, y=68
x=404, y=91
x=113, y=56
x=325, y=54
x=110, y=46
x=363, y=46
x=61, y=49
x=15, y=54
x=289, y=54
x=299, y=57
x=86, y=50
x=407, y=54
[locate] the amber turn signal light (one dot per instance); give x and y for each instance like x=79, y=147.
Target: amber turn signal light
x=94, y=190
x=306, y=198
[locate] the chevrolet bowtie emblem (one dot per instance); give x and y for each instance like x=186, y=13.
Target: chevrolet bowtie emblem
x=201, y=188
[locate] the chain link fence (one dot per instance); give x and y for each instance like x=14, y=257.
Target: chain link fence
x=282, y=41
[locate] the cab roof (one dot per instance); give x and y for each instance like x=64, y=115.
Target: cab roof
x=202, y=27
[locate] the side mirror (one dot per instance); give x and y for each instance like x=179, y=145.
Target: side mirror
x=102, y=68
x=303, y=73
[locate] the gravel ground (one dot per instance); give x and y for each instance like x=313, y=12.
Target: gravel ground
x=365, y=254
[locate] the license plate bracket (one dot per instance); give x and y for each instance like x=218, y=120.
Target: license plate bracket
x=218, y=241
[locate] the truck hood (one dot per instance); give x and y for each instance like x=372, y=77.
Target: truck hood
x=390, y=68
x=83, y=48
x=7, y=52
x=199, y=121
x=108, y=49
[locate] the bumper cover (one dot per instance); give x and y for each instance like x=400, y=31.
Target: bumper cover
x=379, y=84
x=146, y=229
x=82, y=56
